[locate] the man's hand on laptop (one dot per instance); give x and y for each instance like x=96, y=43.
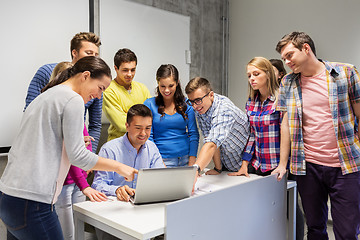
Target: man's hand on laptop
x=123, y=193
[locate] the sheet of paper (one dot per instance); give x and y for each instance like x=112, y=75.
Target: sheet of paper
x=203, y=187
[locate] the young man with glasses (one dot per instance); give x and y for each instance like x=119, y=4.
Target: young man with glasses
x=224, y=126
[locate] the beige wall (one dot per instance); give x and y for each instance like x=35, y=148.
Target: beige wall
x=257, y=25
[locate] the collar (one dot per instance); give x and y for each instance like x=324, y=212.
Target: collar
x=328, y=66
x=131, y=85
x=211, y=109
x=270, y=98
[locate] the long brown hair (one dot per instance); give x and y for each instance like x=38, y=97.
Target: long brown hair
x=95, y=65
x=266, y=66
x=165, y=71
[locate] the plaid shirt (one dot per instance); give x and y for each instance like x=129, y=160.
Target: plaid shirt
x=263, y=147
x=227, y=126
x=343, y=82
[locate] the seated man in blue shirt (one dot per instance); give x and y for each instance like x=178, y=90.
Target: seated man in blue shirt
x=224, y=126
x=132, y=149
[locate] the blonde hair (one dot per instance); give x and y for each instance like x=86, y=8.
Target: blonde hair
x=76, y=41
x=272, y=83
x=59, y=68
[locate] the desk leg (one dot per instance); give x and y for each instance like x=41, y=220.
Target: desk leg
x=79, y=227
x=292, y=213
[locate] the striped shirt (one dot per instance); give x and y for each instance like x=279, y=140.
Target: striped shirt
x=94, y=106
x=227, y=126
x=343, y=83
x=263, y=147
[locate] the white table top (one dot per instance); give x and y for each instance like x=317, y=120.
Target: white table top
x=142, y=222
x=145, y=221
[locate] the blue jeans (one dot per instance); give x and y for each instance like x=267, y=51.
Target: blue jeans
x=30, y=220
x=176, y=161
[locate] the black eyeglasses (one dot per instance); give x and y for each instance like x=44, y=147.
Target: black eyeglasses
x=196, y=101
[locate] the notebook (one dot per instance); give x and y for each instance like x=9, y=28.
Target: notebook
x=163, y=184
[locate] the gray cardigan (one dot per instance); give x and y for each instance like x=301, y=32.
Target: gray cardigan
x=55, y=118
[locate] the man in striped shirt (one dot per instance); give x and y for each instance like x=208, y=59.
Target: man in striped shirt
x=320, y=101
x=224, y=126
x=82, y=44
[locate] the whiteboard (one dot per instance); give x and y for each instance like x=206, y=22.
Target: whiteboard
x=156, y=37
x=33, y=33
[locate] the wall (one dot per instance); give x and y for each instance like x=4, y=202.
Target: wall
x=256, y=26
x=206, y=40
x=29, y=41
x=205, y=34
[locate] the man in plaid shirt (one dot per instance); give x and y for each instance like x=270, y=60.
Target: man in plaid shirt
x=224, y=126
x=320, y=101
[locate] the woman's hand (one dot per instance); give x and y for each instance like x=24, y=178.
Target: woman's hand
x=127, y=172
x=94, y=195
x=88, y=139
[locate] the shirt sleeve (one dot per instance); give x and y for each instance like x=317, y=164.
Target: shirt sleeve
x=281, y=101
x=354, y=88
x=77, y=175
x=149, y=105
x=193, y=132
x=95, y=110
x=250, y=146
x=114, y=111
x=103, y=180
x=73, y=126
x=156, y=159
x=221, y=125
x=38, y=82
x=146, y=92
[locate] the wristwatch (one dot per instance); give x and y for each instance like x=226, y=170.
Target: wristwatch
x=198, y=168
x=218, y=170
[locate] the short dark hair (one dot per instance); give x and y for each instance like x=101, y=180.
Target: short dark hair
x=124, y=55
x=279, y=66
x=298, y=39
x=138, y=110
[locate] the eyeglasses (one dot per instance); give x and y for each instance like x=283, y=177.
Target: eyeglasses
x=196, y=101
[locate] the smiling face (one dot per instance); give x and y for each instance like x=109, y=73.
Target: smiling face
x=206, y=101
x=294, y=58
x=167, y=87
x=125, y=73
x=93, y=87
x=139, y=130
x=257, y=78
x=87, y=49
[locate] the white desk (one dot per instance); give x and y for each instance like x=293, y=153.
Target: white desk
x=126, y=221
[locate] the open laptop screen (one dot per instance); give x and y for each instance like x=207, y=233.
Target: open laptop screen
x=164, y=184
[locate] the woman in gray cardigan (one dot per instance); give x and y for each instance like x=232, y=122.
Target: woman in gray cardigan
x=49, y=140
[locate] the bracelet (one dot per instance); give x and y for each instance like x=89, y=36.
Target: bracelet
x=218, y=170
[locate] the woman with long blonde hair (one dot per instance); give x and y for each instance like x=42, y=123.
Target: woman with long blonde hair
x=262, y=152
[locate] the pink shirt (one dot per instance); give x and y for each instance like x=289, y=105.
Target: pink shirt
x=318, y=130
x=77, y=175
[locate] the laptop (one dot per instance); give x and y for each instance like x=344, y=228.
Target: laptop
x=163, y=184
